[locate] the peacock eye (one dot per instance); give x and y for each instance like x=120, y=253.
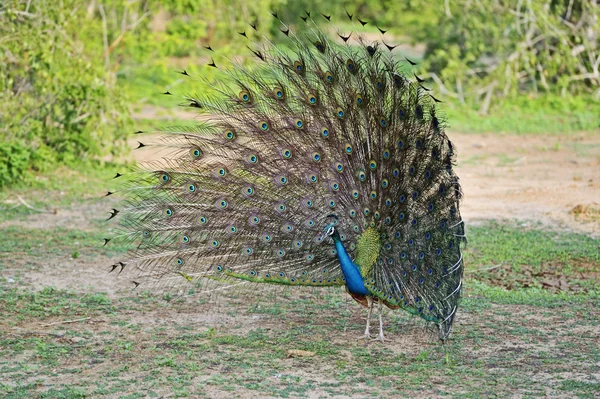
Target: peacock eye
x=398, y=82
x=312, y=98
x=351, y=66
x=359, y=100
x=435, y=124
x=419, y=111
x=328, y=77
x=298, y=67
x=229, y=134
x=279, y=93
x=361, y=175
x=220, y=172
x=195, y=152
x=244, y=96
x=286, y=153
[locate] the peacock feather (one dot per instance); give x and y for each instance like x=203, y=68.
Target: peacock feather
x=324, y=166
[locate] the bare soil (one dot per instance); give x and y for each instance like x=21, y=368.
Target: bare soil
x=553, y=181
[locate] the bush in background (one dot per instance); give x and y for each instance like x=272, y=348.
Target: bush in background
x=58, y=104
x=487, y=50
x=61, y=102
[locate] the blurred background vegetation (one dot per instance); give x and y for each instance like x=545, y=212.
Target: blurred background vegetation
x=78, y=76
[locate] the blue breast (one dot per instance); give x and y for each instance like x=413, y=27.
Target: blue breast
x=354, y=280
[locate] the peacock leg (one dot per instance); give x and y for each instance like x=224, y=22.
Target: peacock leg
x=370, y=306
x=381, y=337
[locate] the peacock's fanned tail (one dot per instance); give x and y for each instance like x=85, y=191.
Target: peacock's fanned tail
x=320, y=133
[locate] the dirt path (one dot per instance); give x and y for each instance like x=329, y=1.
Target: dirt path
x=525, y=179
x=551, y=180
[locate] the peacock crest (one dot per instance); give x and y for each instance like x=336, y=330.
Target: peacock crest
x=323, y=161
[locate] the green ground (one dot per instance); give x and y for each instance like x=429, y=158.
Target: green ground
x=538, y=339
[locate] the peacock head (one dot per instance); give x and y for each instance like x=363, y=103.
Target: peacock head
x=331, y=230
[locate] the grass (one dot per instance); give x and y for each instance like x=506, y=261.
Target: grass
x=515, y=334
x=132, y=358
x=544, y=114
x=66, y=344
x=547, y=114
x=62, y=188
x=496, y=243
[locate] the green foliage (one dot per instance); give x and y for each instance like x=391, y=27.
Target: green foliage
x=493, y=49
x=549, y=114
x=180, y=28
x=60, y=101
x=59, y=106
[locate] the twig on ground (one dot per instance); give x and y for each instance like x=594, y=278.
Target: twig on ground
x=22, y=201
x=65, y=322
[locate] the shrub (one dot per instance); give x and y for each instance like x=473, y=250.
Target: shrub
x=58, y=105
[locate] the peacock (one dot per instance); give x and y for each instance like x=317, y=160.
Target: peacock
x=324, y=165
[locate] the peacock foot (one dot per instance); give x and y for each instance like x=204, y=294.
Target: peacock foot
x=380, y=337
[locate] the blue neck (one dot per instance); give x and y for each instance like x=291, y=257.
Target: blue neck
x=354, y=280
